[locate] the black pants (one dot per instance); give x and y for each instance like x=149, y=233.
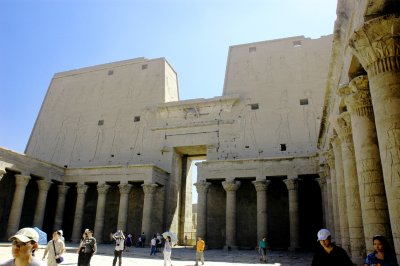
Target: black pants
x=86, y=257
x=117, y=254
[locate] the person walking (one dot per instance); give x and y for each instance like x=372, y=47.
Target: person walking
x=327, y=253
x=167, y=251
x=55, y=248
x=119, y=239
x=23, y=243
x=128, y=242
x=200, y=245
x=153, y=243
x=382, y=255
x=262, y=249
x=87, y=248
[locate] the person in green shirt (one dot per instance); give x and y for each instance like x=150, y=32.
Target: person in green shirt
x=262, y=249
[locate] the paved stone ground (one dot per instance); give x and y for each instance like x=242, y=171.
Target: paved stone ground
x=180, y=257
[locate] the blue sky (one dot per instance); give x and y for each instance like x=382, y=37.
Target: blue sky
x=41, y=38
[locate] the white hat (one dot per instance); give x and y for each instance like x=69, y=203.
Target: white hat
x=323, y=234
x=60, y=231
x=25, y=235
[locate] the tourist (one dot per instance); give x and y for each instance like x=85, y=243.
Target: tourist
x=158, y=242
x=262, y=249
x=61, y=235
x=119, y=246
x=200, y=245
x=153, y=243
x=143, y=239
x=23, y=243
x=328, y=254
x=167, y=251
x=128, y=242
x=55, y=248
x=382, y=254
x=87, y=248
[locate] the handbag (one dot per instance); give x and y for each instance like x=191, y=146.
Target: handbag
x=60, y=258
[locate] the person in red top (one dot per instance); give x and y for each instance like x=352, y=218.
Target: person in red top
x=200, y=245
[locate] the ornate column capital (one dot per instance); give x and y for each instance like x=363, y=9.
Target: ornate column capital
x=376, y=44
x=103, y=188
x=343, y=128
x=44, y=185
x=81, y=188
x=22, y=180
x=202, y=186
x=330, y=158
x=261, y=185
x=360, y=102
x=62, y=189
x=149, y=189
x=125, y=188
x=2, y=172
x=292, y=183
x=231, y=186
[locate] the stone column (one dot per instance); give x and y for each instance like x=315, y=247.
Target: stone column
x=292, y=186
x=148, y=190
x=62, y=193
x=329, y=201
x=356, y=230
x=202, y=189
x=330, y=158
x=370, y=178
x=341, y=192
x=230, y=187
x=262, y=211
x=322, y=185
x=102, y=189
x=21, y=181
x=124, y=190
x=80, y=204
x=44, y=187
x=2, y=173
x=376, y=46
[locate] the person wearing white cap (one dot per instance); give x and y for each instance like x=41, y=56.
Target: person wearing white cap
x=23, y=243
x=327, y=253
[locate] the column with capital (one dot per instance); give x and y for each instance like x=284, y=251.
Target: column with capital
x=80, y=204
x=102, y=189
x=230, y=187
x=292, y=187
x=124, y=190
x=21, y=181
x=329, y=202
x=262, y=211
x=44, y=187
x=341, y=192
x=369, y=169
x=322, y=185
x=149, y=190
x=202, y=189
x=376, y=46
x=62, y=193
x=330, y=158
x=356, y=230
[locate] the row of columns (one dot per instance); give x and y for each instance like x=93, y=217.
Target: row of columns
x=261, y=186
x=102, y=189
x=364, y=161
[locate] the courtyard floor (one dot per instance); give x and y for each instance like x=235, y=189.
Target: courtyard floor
x=180, y=257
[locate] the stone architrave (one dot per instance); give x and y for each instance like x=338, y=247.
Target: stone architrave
x=230, y=187
x=369, y=169
x=44, y=187
x=2, y=172
x=124, y=190
x=292, y=185
x=80, y=204
x=149, y=190
x=262, y=208
x=62, y=193
x=21, y=181
x=341, y=192
x=102, y=189
x=377, y=47
x=335, y=230
x=356, y=231
x=202, y=189
x=322, y=185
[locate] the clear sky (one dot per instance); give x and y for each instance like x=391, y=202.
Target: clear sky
x=40, y=38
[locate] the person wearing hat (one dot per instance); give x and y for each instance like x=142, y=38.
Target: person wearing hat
x=23, y=243
x=327, y=253
x=55, y=248
x=87, y=248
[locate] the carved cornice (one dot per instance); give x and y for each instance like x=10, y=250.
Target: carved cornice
x=377, y=44
x=202, y=187
x=360, y=101
x=231, y=186
x=103, y=188
x=149, y=189
x=261, y=185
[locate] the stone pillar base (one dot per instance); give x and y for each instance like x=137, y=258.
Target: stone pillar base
x=229, y=248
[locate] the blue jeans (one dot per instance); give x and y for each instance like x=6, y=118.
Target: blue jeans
x=153, y=250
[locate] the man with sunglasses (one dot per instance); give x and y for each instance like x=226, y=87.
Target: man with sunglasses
x=23, y=243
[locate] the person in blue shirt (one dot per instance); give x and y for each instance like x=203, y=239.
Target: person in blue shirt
x=382, y=255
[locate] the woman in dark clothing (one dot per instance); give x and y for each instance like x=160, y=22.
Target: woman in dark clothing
x=382, y=254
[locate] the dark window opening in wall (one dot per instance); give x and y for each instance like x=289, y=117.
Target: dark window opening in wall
x=144, y=66
x=136, y=119
x=283, y=147
x=254, y=106
x=112, y=155
x=252, y=49
x=100, y=123
x=303, y=101
x=110, y=72
x=296, y=43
